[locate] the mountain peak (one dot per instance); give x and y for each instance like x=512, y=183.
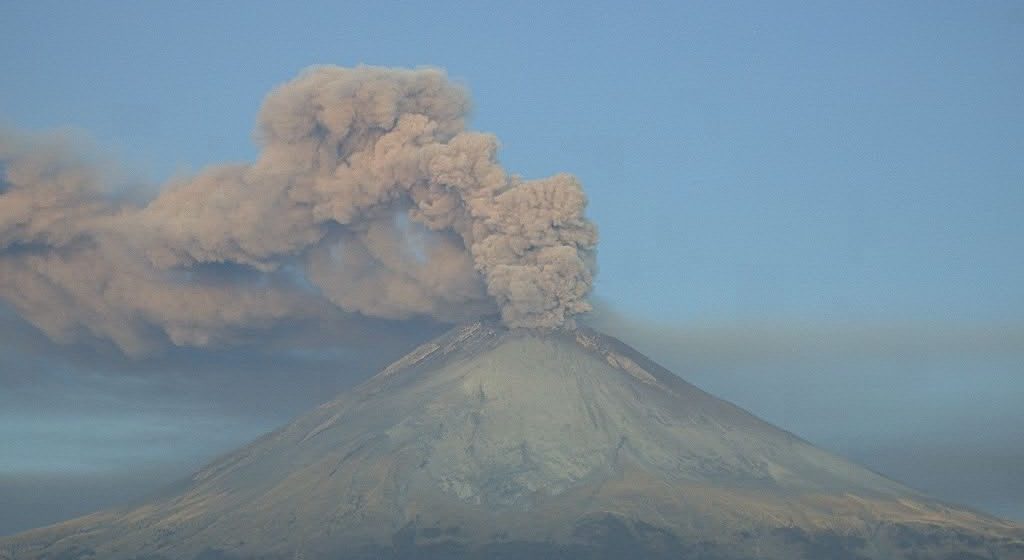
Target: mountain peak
x=549, y=443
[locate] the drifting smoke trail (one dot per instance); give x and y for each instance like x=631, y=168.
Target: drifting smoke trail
x=368, y=192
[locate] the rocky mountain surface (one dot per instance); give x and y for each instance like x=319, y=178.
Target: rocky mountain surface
x=496, y=443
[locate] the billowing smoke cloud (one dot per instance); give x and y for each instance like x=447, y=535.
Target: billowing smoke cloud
x=368, y=193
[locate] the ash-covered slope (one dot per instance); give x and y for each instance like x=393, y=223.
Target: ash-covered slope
x=491, y=443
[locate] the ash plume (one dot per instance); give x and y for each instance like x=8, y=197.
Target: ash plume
x=368, y=193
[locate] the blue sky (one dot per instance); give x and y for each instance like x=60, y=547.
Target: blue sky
x=747, y=163
x=836, y=160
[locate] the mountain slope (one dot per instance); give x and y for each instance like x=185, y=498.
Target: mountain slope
x=489, y=443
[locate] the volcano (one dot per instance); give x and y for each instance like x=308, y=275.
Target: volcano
x=497, y=443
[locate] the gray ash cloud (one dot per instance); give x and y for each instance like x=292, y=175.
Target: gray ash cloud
x=368, y=198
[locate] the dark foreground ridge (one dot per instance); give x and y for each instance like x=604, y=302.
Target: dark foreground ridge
x=495, y=443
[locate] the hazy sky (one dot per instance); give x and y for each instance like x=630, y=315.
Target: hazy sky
x=793, y=175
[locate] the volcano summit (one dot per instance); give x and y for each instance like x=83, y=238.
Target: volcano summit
x=496, y=443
